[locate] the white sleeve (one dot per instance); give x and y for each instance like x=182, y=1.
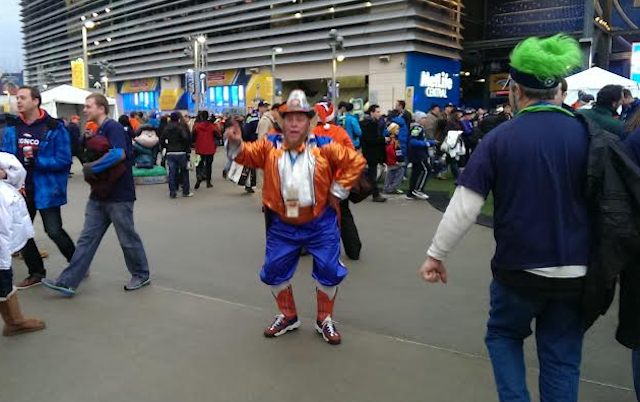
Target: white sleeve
x=6, y=220
x=16, y=174
x=461, y=214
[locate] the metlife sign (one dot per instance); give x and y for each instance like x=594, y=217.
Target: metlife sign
x=437, y=85
x=434, y=79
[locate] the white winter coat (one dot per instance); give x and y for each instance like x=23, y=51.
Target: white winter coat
x=15, y=223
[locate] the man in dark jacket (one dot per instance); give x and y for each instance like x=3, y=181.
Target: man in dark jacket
x=533, y=164
x=176, y=140
x=114, y=208
x=604, y=114
x=42, y=145
x=405, y=114
x=373, y=147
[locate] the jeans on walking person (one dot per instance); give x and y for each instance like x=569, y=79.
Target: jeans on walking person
x=393, y=179
x=52, y=222
x=559, y=338
x=98, y=217
x=177, y=164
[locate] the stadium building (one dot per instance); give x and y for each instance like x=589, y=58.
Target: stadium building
x=393, y=49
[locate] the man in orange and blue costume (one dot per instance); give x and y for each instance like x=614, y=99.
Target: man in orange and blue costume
x=305, y=177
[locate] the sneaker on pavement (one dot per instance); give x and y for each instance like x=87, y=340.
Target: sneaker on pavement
x=379, y=199
x=410, y=196
x=328, y=331
x=51, y=284
x=136, y=283
x=188, y=195
x=421, y=195
x=281, y=325
x=209, y=185
x=29, y=282
x=400, y=192
x=249, y=190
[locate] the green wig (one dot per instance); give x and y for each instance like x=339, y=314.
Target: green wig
x=553, y=57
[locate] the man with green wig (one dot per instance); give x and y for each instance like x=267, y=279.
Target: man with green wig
x=535, y=166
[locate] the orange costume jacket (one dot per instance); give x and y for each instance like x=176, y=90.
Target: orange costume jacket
x=335, y=170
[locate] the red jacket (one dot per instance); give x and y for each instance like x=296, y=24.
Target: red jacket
x=205, y=134
x=391, y=154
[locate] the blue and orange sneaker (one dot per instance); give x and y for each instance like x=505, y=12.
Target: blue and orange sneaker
x=329, y=331
x=281, y=325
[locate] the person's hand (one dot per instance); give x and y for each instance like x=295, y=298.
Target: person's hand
x=433, y=271
x=3, y=174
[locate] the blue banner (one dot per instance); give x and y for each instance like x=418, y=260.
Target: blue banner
x=434, y=80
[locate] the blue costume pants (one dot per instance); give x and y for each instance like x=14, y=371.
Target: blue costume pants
x=321, y=238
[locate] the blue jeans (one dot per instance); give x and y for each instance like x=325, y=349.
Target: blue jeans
x=635, y=358
x=393, y=179
x=558, y=337
x=97, y=219
x=177, y=164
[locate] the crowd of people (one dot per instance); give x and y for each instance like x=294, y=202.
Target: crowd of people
x=565, y=179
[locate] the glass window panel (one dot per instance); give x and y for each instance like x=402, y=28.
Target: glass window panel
x=225, y=95
x=234, y=95
x=218, y=96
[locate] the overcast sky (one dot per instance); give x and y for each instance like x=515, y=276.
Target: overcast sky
x=11, y=37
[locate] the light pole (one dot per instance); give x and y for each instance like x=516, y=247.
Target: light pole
x=336, y=42
x=274, y=51
x=197, y=47
x=86, y=25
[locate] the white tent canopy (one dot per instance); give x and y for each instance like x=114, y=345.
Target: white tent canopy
x=592, y=80
x=65, y=100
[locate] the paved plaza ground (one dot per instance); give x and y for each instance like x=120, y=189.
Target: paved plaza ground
x=195, y=334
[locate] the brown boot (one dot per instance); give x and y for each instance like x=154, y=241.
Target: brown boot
x=14, y=321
